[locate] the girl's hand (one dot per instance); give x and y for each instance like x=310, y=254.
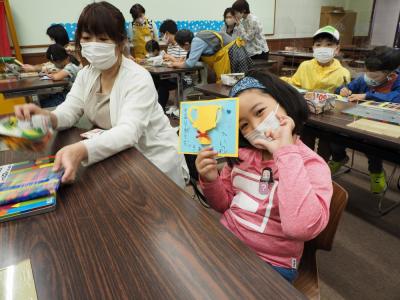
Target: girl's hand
x=69, y=158
x=206, y=164
x=28, y=68
x=281, y=137
x=345, y=92
x=357, y=97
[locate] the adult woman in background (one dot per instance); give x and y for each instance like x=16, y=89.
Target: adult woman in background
x=116, y=95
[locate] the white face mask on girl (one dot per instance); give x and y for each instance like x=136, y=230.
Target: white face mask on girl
x=100, y=55
x=324, y=54
x=230, y=21
x=271, y=122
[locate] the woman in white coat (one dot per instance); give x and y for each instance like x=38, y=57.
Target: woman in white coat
x=115, y=94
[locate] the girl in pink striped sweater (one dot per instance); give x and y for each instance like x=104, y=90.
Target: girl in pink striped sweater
x=276, y=195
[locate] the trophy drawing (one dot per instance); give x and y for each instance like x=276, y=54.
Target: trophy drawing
x=206, y=119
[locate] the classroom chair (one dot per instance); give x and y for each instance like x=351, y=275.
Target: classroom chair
x=307, y=281
x=7, y=105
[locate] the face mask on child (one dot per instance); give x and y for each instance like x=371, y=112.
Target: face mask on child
x=100, y=55
x=165, y=38
x=230, y=21
x=324, y=54
x=271, y=122
x=371, y=82
x=140, y=21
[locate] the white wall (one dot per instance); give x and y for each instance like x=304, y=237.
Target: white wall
x=385, y=22
x=364, y=10
x=32, y=17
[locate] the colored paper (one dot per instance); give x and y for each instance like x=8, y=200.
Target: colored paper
x=209, y=123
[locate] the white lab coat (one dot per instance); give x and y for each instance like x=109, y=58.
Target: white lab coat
x=136, y=117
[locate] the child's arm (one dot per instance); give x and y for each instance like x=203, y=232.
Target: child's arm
x=60, y=75
x=216, y=188
x=304, y=191
x=295, y=79
x=392, y=96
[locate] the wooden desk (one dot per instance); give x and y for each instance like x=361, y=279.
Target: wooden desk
x=169, y=73
x=292, y=54
x=332, y=126
x=29, y=86
x=124, y=230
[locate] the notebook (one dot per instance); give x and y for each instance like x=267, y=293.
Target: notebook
x=27, y=208
x=28, y=180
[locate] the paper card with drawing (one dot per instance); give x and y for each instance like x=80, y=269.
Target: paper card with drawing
x=209, y=123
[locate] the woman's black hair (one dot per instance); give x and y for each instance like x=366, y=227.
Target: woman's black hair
x=101, y=18
x=227, y=11
x=288, y=98
x=136, y=11
x=152, y=46
x=57, y=53
x=168, y=26
x=241, y=6
x=383, y=58
x=184, y=36
x=58, y=33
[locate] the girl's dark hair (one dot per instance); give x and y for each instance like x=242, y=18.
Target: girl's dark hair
x=383, y=58
x=101, y=18
x=288, y=98
x=168, y=26
x=184, y=36
x=136, y=10
x=229, y=10
x=241, y=6
x=152, y=46
x=56, y=53
x=58, y=33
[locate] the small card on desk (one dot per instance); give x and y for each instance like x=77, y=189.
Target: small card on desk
x=17, y=282
x=208, y=123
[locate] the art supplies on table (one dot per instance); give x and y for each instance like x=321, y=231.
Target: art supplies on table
x=387, y=112
x=319, y=102
x=28, y=180
x=231, y=79
x=33, y=134
x=376, y=127
x=209, y=123
x=27, y=208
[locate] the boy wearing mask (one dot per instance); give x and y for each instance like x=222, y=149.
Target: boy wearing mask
x=324, y=72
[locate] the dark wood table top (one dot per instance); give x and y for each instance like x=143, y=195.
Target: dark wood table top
x=124, y=230
x=30, y=84
x=333, y=121
x=167, y=70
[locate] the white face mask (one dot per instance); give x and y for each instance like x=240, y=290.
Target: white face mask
x=100, y=55
x=165, y=38
x=230, y=21
x=324, y=54
x=140, y=21
x=271, y=122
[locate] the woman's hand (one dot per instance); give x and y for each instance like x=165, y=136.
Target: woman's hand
x=178, y=64
x=206, y=164
x=26, y=111
x=281, y=137
x=345, y=92
x=69, y=159
x=357, y=97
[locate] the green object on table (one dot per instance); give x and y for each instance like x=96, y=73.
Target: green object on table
x=7, y=60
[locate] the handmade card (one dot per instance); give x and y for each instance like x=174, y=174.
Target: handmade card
x=209, y=123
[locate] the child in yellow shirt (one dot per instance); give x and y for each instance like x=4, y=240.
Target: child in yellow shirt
x=323, y=72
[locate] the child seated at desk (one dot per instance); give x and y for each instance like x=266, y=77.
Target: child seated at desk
x=380, y=82
x=277, y=194
x=323, y=72
x=68, y=68
x=152, y=48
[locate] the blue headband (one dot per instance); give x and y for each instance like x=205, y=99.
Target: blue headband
x=245, y=84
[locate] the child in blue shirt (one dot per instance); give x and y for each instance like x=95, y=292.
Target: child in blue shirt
x=379, y=83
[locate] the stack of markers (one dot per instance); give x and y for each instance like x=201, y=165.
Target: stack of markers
x=28, y=188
